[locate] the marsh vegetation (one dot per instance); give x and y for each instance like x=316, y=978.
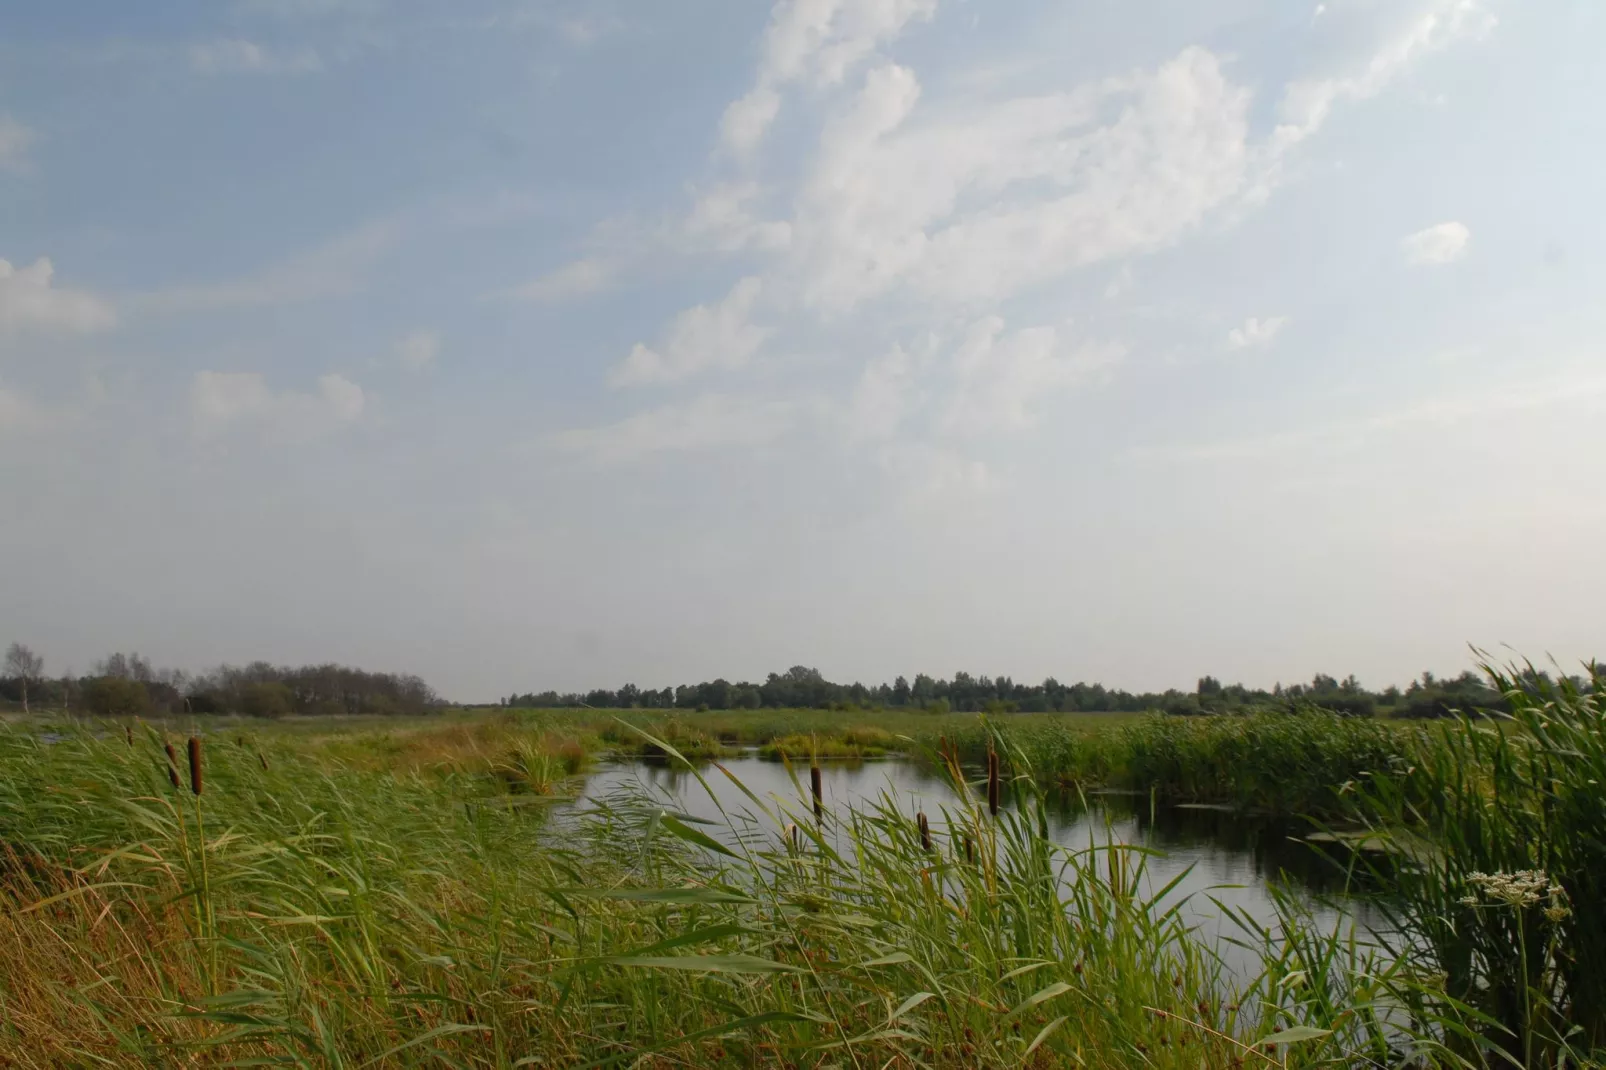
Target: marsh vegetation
x=445, y=892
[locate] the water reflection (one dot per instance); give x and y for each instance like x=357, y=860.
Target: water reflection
x=1212, y=853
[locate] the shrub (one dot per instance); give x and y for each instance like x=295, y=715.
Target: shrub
x=109, y=696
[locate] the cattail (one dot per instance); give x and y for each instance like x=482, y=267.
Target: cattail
x=925, y=830
x=819, y=796
x=970, y=851
x=128, y=734
x=992, y=781
x=263, y=758
x=172, y=764
x=794, y=838
x=195, y=765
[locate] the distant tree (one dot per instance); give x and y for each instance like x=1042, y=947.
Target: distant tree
x=266, y=699
x=26, y=666
x=110, y=696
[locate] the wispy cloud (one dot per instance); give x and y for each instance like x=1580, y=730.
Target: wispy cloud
x=707, y=422
x=1441, y=244
x=720, y=335
x=418, y=349
x=15, y=141
x=1256, y=332
x=337, y=267
x=234, y=401
x=574, y=279
x=1578, y=386
x=239, y=56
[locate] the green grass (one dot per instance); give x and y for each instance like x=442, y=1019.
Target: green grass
x=406, y=895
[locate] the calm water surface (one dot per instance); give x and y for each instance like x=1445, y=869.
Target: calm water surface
x=1228, y=856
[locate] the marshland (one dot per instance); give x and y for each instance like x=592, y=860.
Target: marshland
x=812, y=888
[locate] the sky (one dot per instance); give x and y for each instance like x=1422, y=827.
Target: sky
x=531, y=344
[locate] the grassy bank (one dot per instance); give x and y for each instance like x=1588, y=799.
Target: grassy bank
x=323, y=911
x=408, y=895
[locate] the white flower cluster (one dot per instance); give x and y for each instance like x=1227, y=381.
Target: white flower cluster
x=1525, y=887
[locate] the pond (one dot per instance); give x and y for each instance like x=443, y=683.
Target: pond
x=1213, y=854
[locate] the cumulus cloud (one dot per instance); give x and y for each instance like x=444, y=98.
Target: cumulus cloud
x=1255, y=332
x=972, y=206
x=1439, y=244
x=707, y=422
x=227, y=401
x=238, y=56
x=29, y=301
x=815, y=41
x=419, y=349
x=700, y=338
x=15, y=139
x=947, y=208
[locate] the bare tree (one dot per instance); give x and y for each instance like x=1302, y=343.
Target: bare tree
x=26, y=666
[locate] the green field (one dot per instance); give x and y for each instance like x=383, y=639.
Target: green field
x=362, y=893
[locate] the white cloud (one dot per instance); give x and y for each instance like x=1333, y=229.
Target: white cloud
x=419, y=349
x=699, y=339
x=574, y=279
x=724, y=218
x=29, y=301
x=223, y=401
x=707, y=422
x=334, y=268
x=1421, y=27
x=974, y=205
x=815, y=41
x=238, y=56
x=998, y=376
x=1439, y=244
x=1255, y=332
x=15, y=139
x=747, y=118
x=885, y=393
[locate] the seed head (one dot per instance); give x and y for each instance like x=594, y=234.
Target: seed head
x=195, y=765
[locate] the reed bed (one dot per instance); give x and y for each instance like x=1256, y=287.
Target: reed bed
x=418, y=899
x=311, y=913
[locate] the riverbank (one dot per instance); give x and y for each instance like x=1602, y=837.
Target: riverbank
x=385, y=896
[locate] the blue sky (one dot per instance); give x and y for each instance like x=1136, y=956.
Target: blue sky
x=529, y=344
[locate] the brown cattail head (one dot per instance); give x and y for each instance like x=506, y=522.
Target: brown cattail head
x=263, y=758
x=172, y=764
x=195, y=765
x=819, y=794
x=128, y=734
x=970, y=851
x=925, y=830
x=992, y=782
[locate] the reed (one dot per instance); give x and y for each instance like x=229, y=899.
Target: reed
x=392, y=909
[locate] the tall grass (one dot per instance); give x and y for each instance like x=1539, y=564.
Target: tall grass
x=1504, y=827
x=390, y=916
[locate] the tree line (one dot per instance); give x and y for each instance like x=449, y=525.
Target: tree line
x=800, y=686
x=128, y=684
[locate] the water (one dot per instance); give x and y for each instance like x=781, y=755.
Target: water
x=1211, y=853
